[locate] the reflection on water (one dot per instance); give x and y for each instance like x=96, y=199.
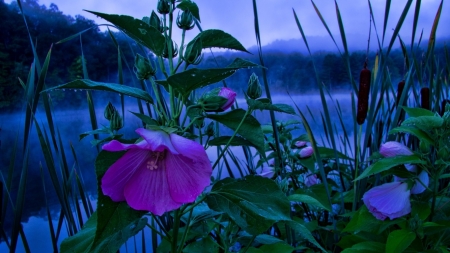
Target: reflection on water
x=71, y=123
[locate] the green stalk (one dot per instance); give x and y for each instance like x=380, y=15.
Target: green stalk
x=231, y=138
x=355, y=183
x=176, y=226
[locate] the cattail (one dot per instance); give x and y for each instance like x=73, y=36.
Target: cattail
x=400, y=87
x=425, y=98
x=443, y=104
x=363, y=95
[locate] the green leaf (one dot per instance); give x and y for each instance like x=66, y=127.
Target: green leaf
x=116, y=220
x=417, y=111
x=280, y=247
x=362, y=221
x=250, y=128
x=219, y=39
x=114, y=87
x=187, y=5
x=422, y=209
x=254, y=203
x=236, y=141
x=328, y=153
x=424, y=122
x=96, y=131
x=83, y=241
x=387, y=163
x=399, y=240
x=146, y=119
x=363, y=247
x=422, y=135
x=317, y=194
x=302, y=231
x=308, y=200
x=263, y=105
x=206, y=244
x=138, y=30
x=194, y=78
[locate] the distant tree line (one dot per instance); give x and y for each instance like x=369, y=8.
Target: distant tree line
x=291, y=71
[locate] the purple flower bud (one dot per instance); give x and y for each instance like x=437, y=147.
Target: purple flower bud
x=300, y=144
x=393, y=148
x=230, y=95
x=306, y=152
x=267, y=172
x=388, y=200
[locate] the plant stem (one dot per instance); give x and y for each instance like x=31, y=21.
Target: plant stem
x=176, y=225
x=231, y=138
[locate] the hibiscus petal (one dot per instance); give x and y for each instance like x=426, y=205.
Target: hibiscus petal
x=117, y=176
x=148, y=190
x=391, y=200
x=418, y=187
x=115, y=146
x=157, y=140
x=188, y=173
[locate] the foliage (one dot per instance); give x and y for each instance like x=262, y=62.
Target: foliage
x=277, y=187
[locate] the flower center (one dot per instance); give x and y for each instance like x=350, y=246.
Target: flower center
x=152, y=163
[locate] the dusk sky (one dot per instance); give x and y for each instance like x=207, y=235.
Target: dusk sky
x=277, y=20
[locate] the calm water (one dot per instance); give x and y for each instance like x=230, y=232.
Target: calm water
x=73, y=122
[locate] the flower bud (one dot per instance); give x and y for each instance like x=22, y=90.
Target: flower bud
x=217, y=100
x=116, y=122
x=143, y=68
x=163, y=6
x=300, y=144
x=185, y=21
x=174, y=46
x=306, y=152
x=254, y=89
x=155, y=21
x=193, y=53
x=393, y=148
x=109, y=111
x=210, y=131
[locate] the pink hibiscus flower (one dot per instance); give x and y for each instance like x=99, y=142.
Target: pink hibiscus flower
x=388, y=200
x=157, y=174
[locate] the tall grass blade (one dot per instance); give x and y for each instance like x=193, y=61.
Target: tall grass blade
x=325, y=25
x=432, y=40
x=386, y=17
x=398, y=26
x=49, y=216
x=266, y=83
x=20, y=200
x=416, y=19
x=344, y=43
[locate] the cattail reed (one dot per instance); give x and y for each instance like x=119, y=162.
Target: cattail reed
x=443, y=104
x=425, y=98
x=400, y=87
x=363, y=95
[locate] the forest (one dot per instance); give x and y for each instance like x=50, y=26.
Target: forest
x=48, y=25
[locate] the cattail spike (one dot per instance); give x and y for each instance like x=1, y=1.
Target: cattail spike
x=425, y=98
x=400, y=87
x=363, y=95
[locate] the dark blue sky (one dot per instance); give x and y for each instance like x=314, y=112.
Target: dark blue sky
x=277, y=20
